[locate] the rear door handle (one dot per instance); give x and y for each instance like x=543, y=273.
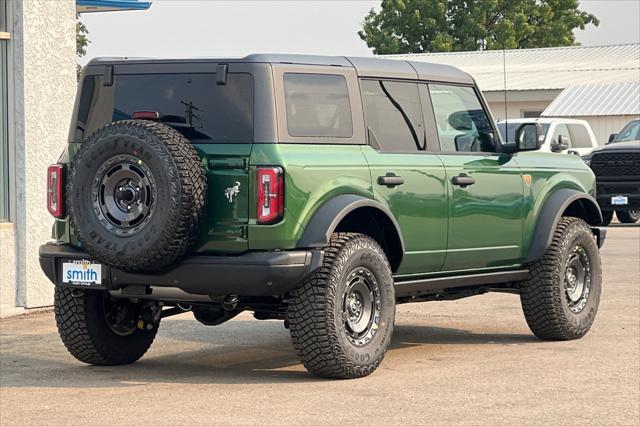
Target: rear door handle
x=462, y=180
x=390, y=180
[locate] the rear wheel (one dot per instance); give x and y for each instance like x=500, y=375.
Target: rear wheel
x=100, y=330
x=628, y=216
x=341, y=319
x=561, y=297
x=607, y=217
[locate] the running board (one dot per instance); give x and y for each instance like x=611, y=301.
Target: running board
x=428, y=285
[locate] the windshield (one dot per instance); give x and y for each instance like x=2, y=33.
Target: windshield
x=508, y=130
x=630, y=132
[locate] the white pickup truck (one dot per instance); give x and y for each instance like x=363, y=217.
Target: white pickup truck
x=562, y=135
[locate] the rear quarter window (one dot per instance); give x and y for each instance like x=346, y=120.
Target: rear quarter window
x=317, y=105
x=193, y=104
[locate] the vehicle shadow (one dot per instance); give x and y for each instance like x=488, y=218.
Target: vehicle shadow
x=238, y=352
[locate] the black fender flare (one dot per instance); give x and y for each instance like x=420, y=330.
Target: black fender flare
x=325, y=220
x=550, y=214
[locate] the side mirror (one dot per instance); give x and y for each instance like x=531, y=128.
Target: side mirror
x=529, y=137
x=560, y=145
x=612, y=137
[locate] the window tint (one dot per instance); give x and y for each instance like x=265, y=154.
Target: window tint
x=193, y=104
x=562, y=130
x=317, y=105
x=393, y=115
x=579, y=136
x=462, y=123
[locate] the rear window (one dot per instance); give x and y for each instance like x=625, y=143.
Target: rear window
x=193, y=104
x=317, y=105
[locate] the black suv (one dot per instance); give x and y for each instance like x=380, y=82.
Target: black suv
x=617, y=170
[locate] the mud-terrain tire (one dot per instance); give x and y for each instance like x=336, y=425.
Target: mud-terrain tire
x=607, y=217
x=557, y=304
x=149, y=169
x=330, y=328
x=85, y=332
x=628, y=216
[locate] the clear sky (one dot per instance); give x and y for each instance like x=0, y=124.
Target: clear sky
x=235, y=28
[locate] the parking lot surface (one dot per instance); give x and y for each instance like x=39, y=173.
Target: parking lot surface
x=471, y=361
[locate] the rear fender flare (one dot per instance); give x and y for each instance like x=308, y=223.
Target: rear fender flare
x=326, y=219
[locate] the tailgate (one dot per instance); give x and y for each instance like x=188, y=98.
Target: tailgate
x=224, y=222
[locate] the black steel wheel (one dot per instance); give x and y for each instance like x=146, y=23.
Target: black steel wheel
x=135, y=195
x=124, y=193
x=341, y=317
x=607, y=217
x=561, y=297
x=577, y=279
x=361, y=306
x=628, y=216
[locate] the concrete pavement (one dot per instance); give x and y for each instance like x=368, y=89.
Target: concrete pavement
x=471, y=361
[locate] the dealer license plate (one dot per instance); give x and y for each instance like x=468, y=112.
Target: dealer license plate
x=619, y=200
x=82, y=273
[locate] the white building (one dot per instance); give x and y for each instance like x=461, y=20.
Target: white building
x=536, y=77
x=37, y=92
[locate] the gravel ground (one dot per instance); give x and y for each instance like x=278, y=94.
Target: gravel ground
x=471, y=361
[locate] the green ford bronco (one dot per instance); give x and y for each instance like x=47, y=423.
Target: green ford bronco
x=320, y=191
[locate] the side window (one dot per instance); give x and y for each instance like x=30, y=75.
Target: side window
x=463, y=125
x=579, y=136
x=317, y=105
x=393, y=115
x=562, y=130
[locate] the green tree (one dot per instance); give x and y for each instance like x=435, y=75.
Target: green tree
x=82, y=41
x=413, y=26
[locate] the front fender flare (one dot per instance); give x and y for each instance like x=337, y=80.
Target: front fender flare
x=550, y=215
x=317, y=232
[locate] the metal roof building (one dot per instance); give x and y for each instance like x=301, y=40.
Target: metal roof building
x=596, y=100
x=594, y=78
x=542, y=69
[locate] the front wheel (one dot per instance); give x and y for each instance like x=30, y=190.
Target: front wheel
x=561, y=297
x=100, y=330
x=628, y=216
x=341, y=318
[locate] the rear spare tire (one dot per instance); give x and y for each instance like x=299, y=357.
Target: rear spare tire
x=135, y=195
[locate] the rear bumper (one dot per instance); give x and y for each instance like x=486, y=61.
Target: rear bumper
x=249, y=274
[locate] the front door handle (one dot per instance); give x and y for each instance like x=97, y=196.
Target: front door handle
x=462, y=180
x=390, y=180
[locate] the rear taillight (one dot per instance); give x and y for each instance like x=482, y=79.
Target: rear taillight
x=55, y=183
x=270, y=194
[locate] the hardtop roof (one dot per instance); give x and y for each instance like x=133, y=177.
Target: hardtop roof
x=365, y=67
